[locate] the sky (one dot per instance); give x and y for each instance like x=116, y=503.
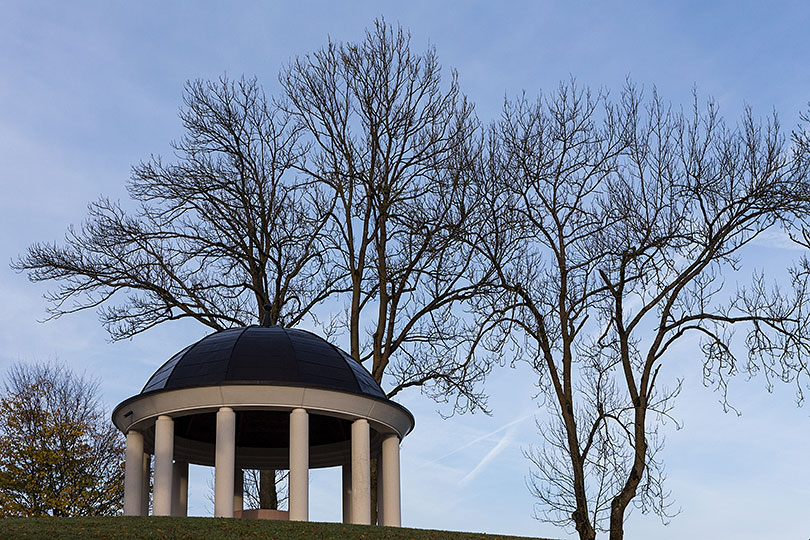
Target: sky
x=87, y=90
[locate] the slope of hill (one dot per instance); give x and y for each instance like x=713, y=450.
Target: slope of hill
x=166, y=528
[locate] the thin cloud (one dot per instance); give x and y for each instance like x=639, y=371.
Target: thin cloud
x=779, y=239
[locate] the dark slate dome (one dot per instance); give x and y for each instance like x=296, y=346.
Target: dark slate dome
x=264, y=355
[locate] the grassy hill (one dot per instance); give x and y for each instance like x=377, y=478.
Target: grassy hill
x=166, y=528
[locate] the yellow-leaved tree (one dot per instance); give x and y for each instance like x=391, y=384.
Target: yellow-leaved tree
x=59, y=453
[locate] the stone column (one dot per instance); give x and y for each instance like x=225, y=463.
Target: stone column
x=361, y=482
x=347, y=492
x=238, y=490
x=299, y=465
x=180, y=489
x=164, y=463
x=392, y=513
x=147, y=477
x=224, y=462
x=379, y=501
x=133, y=474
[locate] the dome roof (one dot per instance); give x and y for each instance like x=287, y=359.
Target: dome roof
x=264, y=355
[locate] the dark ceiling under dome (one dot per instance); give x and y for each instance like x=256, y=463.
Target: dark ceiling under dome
x=262, y=355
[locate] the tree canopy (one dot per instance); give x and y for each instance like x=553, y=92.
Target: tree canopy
x=59, y=453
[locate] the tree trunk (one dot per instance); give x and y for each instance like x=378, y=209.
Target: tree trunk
x=374, y=487
x=619, y=504
x=617, y=520
x=268, y=498
x=583, y=525
x=582, y=522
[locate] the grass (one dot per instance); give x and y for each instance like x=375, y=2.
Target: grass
x=167, y=528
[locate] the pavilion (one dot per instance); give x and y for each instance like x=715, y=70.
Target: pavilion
x=262, y=397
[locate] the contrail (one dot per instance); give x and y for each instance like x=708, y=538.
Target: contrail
x=503, y=443
x=479, y=439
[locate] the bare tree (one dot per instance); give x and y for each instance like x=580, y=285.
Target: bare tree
x=217, y=235
x=257, y=494
x=612, y=227
x=353, y=187
x=393, y=149
x=59, y=453
x=266, y=488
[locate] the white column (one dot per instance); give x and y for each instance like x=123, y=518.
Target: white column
x=361, y=483
x=133, y=473
x=224, y=462
x=238, y=490
x=347, y=492
x=164, y=463
x=180, y=489
x=299, y=465
x=392, y=513
x=147, y=477
x=379, y=500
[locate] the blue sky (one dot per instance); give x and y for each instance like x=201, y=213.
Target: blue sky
x=89, y=89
